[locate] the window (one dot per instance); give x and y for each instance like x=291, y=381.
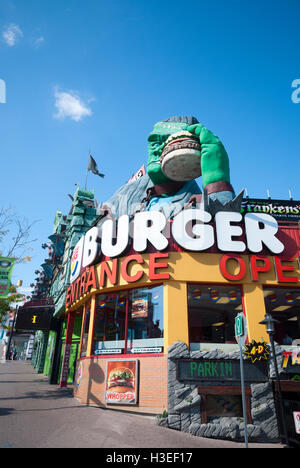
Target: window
x=211, y=313
x=85, y=332
x=145, y=320
x=284, y=305
x=218, y=406
x=129, y=322
x=110, y=319
x=224, y=402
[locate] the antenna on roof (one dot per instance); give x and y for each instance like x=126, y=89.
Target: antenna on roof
x=268, y=193
x=290, y=194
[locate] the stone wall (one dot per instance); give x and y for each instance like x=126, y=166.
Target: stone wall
x=184, y=407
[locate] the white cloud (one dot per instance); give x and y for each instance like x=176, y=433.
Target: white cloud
x=39, y=41
x=12, y=34
x=69, y=104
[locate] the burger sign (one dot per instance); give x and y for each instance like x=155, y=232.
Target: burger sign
x=121, y=382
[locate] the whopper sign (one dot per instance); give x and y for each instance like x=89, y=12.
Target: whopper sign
x=121, y=384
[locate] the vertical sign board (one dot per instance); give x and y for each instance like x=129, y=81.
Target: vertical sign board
x=121, y=385
x=67, y=351
x=65, y=365
x=6, y=268
x=240, y=328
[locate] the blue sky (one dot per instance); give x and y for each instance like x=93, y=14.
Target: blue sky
x=86, y=74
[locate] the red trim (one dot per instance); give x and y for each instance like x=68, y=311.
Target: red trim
x=126, y=319
x=97, y=294
x=244, y=312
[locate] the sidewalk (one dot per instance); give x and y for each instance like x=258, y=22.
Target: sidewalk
x=34, y=414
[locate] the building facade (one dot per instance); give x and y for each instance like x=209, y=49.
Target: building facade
x=158, y=326
x=151, y=284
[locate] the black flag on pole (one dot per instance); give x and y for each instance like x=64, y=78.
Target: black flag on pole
x=92, y=167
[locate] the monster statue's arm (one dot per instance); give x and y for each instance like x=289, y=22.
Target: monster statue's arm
x=214, y=164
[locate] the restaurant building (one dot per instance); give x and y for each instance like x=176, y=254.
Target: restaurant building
x=158, y=300
x=151, y=283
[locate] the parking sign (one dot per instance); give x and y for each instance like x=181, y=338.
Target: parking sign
x=239, y=325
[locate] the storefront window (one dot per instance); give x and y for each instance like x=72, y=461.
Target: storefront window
x=110, y=320
x=220, y=406
x=211, y=313
x=224, y=402
x=284, y=305
x=145, y=320
x=85, y=332
x=129, y=322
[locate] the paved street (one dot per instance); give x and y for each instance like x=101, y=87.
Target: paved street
x=34, y=414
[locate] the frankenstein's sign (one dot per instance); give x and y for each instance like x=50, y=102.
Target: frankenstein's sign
x=214, y=370
x=282, y=210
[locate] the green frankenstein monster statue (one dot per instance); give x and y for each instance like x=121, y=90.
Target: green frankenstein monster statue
x=180, y=150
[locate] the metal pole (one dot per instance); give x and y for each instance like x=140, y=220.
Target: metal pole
x=243, y=393
x=279, y=392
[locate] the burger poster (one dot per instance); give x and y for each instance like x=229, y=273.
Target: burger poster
x=121, y=382
x=139, y=308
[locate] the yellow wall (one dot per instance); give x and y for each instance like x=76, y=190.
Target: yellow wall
x=175, y=313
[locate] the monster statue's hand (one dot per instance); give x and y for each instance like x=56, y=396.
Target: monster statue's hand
x=214, y=165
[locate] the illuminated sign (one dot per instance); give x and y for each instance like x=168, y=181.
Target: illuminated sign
x=211, y=370
x=257, y=351
x=150, y=227
x=291, y=358
x=34, y=318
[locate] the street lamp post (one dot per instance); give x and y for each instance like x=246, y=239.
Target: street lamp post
x=269, y=321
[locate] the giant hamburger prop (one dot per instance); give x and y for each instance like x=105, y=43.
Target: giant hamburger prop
x=181, y=156
x=121, y=380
